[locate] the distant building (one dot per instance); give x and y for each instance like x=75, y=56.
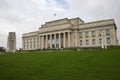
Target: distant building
x=68, y=33
x=11, y=42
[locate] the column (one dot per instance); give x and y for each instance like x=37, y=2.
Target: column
x=46, y=41
x=68, y=39
x=39, y=42
x=55, y=40
x=102, y=34
x=50, y=41
x=59, y=40
x=64, y=41
x=42, y=42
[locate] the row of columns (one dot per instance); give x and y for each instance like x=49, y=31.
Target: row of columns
x=43, y=40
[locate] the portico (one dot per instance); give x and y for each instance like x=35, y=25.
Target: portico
x=54, y=40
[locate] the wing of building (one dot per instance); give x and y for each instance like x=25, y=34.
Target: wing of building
x=71, y=33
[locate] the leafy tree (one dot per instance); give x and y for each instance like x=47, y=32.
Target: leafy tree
x=2, y=49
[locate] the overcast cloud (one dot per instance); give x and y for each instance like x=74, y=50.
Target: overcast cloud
x=24, y=16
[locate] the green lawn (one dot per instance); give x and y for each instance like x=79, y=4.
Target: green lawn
x=61, y=65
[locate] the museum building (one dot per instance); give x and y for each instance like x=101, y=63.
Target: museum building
x=71, y=33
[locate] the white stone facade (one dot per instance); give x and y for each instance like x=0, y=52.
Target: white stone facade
x=68, y=33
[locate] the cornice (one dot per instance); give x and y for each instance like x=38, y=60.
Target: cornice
x=54, y=25
x=99, y=21
x=55, y=31
x=94, y=27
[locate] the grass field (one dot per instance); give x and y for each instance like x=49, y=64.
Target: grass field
x=61, y=65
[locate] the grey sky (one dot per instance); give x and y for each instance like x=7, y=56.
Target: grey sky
x=24, y=16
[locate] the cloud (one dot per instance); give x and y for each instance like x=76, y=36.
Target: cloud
x=24, y=16
x=92, y=10
x=57, y=5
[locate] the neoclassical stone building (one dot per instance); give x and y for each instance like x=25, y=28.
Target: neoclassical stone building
x=68, y=33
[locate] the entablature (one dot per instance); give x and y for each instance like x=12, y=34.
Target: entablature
x=97, y=24
x=55, y=28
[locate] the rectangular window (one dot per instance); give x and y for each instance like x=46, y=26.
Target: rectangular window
x=30, y=46
x=100, y=33
x=107, y=32
x=49, y=37
x=37, y=40
x=93, y=33
x=27, y=46
x=87, y=42
x=34, y=40
x=86, y=34
x=80, y=42
x=24, y=46
x=100, y=41
x=52, y=36
x=34, y=45
x=53, y=41
x=93, y=41
x=30, y=40
x=57, y=36
x=27, y=40
x=57, y=41
x=108, y=40
x=24, y=42
x=80, y=34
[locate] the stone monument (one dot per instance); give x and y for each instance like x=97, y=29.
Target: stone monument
x=11, y=42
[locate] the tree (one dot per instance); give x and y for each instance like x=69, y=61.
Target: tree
x=2, y=49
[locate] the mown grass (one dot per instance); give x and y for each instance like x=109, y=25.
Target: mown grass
x=61, y=65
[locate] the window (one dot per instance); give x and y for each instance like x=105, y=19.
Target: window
x=100, y=33
x=24, y=46
x=87, y=42
x=80, y=42
x=34, y=45
x=86, y=34
x=107, y=32
x=27, y=40
x=108, y=40
x=27, y=46
x=93, y=33
x=100, y=41
x=37, y=40
x=30, y=40
x=57, y=36
x=80, y=34
x=53, y=41
x=52, y=36
x=34, y=40
x=30, y=46
x=24, y=42
x=93, y=41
